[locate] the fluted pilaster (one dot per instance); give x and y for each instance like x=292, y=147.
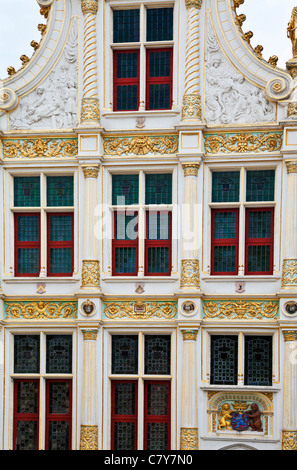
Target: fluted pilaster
x=289, y=278
x=289, y=434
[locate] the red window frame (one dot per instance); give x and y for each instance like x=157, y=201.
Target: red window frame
x=59, y=244
x=125, y=81
x=58, y=417
x=124, y=418
x=259, y=241
x=124, y=244
x=155, y=418
x=158, y=80
x=24, y=416
x=23, y=244
x=158, y=243
x=224, y=242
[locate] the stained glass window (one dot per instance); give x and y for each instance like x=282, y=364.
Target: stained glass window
x=125, y=354
x=126, y=80
x=224, y=360
x=159, y=24
x=225, y=241
x=59, y=354
x=225, y=186
x=126, y=226
x=124, y=436
x=158, y=188
x=61, y=228
x=124, y=403
x=125, y=190
x=260, y=185
x=58, y=415
x=60, y=191
x=125, y=260
x=27, y=191
x=126, y=24
x=157, y=416
x=28, y=228
x=58, y=435
x=60, y=244
x=26, y=414
x=259, y=241
x=160, y=63
x=157, y=354
x=26, y=354
x=124, y=415
x=27, y=397
x=258, y=360
x=26, y=435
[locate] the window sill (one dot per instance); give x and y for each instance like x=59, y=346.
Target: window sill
x=265, y=278
x=160, y=112
x=137, y=279
x=240, y=388
x=34, y=280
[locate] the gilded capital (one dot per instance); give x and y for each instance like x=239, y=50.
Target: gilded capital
x=290, y=335
x=193, y=3
x=291, y=167
x=90, y=171
x=90, y=335
x=189, y=335
x=191, y=169
x=89, y=6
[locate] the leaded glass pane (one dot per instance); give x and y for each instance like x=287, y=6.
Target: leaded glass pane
x=224, y=360
x=126, y=26
x=61, y=260
x=124, y=436
x=159, y=64
x=124, y=354
x=158, y=260
x=125, y=190
x=225, y=225
x=127, y=65
x=58, y=435
x=59, y=354
x=258, y=360
x=27, y=397
x=158, y=228
x=157, y=436
x=127, y=97
x=60, y=228
x=260, y=185
x=259, y=258
x=159, y=24
x=125, y=260
x=225, y=186
x=26, y=354
x=28, y=228
x=26, y=435
x=28, y=260
x=124, y=400
x=157, y=399
x=158, y=188
x=159, y=96
x=59, y=398
x=126, y=226
x=26, y=191
x=60, y=191
x=157, y=354
x=224, y=259
x=259, y=224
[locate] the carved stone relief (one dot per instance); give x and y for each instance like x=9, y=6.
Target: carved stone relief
x=230, y=98
x=54, y=103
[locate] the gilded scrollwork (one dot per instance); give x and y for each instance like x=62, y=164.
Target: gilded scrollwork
x=243, y=143
x=39, y=148
x=289, y=440
x=189, y=439
x=141, y=145
x=140, y=310
x=90, y=111
x=290, y=335
x=88, y=437
x=45, y=310
x=289, y=276
x=241, y=309
x=191, y=108
x=91, y=273
x=190, y=276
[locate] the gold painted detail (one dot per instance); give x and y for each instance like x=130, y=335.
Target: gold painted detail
x=289, y=440
x=140, y=310
x=290, y=335
x=190, y=276
x=48, y=310
x=241, y=309
x=88, y=437
x=292, y=110
x=39, y=148
x=189, y=335
x=89, y=6
x=91, y=273
x=90, y=111
x=90, y=171
x=289, y=276
x=292, y=67
x=141, y=145
x=193, y=3
x=4, y=97
x=90, y=335
x=189, y=439
x=243, y=143
x=191, y=107
x=291, y=31
x=191, y=169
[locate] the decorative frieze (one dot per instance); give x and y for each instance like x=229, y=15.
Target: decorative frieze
x=91, y=273
x=45, y=310
x=289, y=276
x=140, y=310
x=189, y=439
x=240, y=309
x=88, y=437
x=244, y=142
x=39, y=148
x=141, y=145
x=190, y=277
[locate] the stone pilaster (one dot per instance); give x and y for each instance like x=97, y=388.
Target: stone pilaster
x=189, y=412
x=89, y=412
x=289, y=433
x=289, y=275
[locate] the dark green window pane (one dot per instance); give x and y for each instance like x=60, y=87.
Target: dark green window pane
x=28, y=261
x=126, y=26
x=27, y=191
x=259, y=257
x=125, y=260
x=159, y=96
x=28, y=228
x=26, y=354
x=124, y=396
x=160, y=62
x=158, y=188
x=59, y=398
x=258, y=360
x=157, y=399
x=58, y=435
x=124, y=354
x=224, y=360
x=158, y=260
x=260, y=185
x=127, y=65
x=158, y=228
x=224, y=259
x=124, y=436
x=61, y=228
x=225, y=186
x=127, y=98
x=61, y=260
x=27, y=397
x=225, y=225
x=259, y=224
x=60, y=191
x=59, y=354
x=27, y=435
x=159, y=24
x=125, y=190
x=157, y=436
x=157, y=355
x=126, y=226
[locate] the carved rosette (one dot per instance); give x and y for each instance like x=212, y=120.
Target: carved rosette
x=90, y=111
x=189, y=335
x=191, y=169
x=289, y=440
x=90, y=335
x=190, y=277
x=189, y=439
x=291, y=167
x=91, y=274
x=289, y=276
x=290, y=335
x=88, y=437
x=91, y=171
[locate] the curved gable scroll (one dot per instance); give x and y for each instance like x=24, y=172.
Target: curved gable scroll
x=51, y=46
x=276, y=82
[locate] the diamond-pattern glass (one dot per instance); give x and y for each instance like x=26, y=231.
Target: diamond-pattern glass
x=258, y=360
x=225, y=186
x=158, y=188
x=157, y=436
x=124, y=436
x=59, y=398
x=26, y=435
x=58, y=435
x=27, y=397
x=224, y=259
x=59, y=354
x=125, y=190
x=259, y=258
x=26, y=354
x=61, y=260
x=124, y=404
x=126, y=25
x=260, y=185
x=60, y=191
x=225, y=225
x=157, y=399
x=160, y=64
x=127, y=97
x=125, y=260
x=60, y=228
x=157, y=354
x=159, y=24
x=224, y=360
x=124, y=354
x=159, y=96
x=127, y=65
x=259, y=224
x=28, y=260
x=158, y=260
x=26, y=191
x=28, y=228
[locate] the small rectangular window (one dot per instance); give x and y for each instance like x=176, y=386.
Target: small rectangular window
x=58, y=354
x=126, y=26
x=27, y=191
x=60, y=191
x=126, y=80
x=157, y=355
x=26, y=415
x=125, y=190
x=60, y=244
x=58, y=415
x=159, y=25
x=158, y=244
x=224, y=360
x=26, y=354
x=258, y=360
x=260, y=185
x=157, y=415
x=125, y=244
x=125, y=354
x=124, y=412
x=225, y=186
x=158, y=188
x=159, y=79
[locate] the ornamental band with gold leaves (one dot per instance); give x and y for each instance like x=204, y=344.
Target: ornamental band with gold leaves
x=40, y=310
x=189, y=439
x=39, y=148
x=140, y=310
x=88, y=437
x=243, y=143
x=141, y=145
x=241, y=309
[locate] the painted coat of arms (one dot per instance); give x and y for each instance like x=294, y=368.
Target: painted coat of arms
x=240, y=421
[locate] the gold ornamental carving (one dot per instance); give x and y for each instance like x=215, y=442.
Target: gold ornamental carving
x=90, y=111
x=193, y=3
x=291, y=166
x=90, y=335
x=290, y=335
x=141, y=145
x=191, y=107
x=190, y=276
x=191, y=169
x=91, y=273
x=289, y=440
x=189, y=335
x=289, y=275
x=140, y=310
x=89, y=6
x=189, y=439
x=292, y=33
x=292, y=110
x=90, y=171
x=88, y=437
x=243, y=143
x=39, y=148
x=241, y=309
x=48, y=310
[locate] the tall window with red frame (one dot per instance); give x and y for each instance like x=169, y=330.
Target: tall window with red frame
x=60, y=246
x=126, y=80
x=159, y=67
x=224, y=241
x=27, y=244
x=58, y=414
x=259, y=240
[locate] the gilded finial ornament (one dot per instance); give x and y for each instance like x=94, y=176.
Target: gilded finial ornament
x=258, y=51
x=35, y=45
x=25, y=59
x=44, y=11
x=42, y=29
x=11, y=71
x=237, y=3
x=240, y=19
x=273, y=60
x=248, y=36
x=292, y=31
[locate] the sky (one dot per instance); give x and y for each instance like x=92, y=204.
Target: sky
x=267, y=19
